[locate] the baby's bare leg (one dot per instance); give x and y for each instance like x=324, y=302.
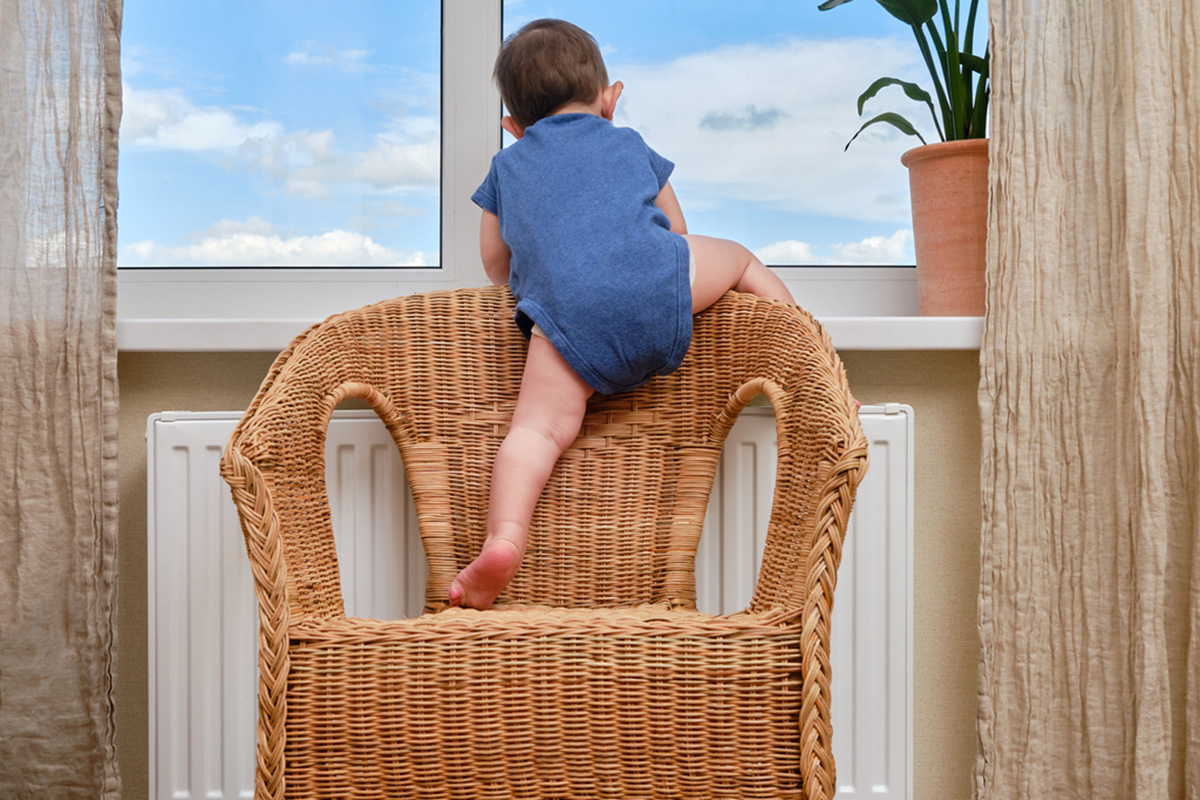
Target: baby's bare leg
x=546, y=420
x=722, y=264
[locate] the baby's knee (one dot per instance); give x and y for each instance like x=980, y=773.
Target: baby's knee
x=558, y=429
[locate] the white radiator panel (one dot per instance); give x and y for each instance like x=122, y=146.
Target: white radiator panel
x=871, y=636
x=202, y=614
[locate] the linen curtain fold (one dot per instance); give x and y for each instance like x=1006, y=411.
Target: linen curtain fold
x=59, y=114
x=1089, y=606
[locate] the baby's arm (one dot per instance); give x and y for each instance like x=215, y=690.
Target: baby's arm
x=493, y=250
x=669, y=205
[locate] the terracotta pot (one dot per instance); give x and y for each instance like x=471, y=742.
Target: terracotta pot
x=949, y=185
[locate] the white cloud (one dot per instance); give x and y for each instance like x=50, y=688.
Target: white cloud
x=305, y=189
x=229, y=227
x=375, y=215
x=165, y=119
x=282, y=154
x=768, y=123
x=393, y=208
x=255, y=242
x=873, y=250
x=132, y=62
x=305, y=163
x=789, y=251
x=315, y=54
x=894, y=249
x=392, y=163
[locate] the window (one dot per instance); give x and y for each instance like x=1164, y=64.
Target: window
x=224, y=305
x=279, y=159
x=280, y=134
x=754, y=101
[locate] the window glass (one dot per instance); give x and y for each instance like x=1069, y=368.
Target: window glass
x=755, y=101
x=272, y=133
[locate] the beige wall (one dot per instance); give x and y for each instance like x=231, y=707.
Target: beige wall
x=153, y=382
x=940, y=386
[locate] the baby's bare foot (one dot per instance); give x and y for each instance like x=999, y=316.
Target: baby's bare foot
x=481, y=582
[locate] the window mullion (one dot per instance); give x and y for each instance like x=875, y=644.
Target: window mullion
x=470, y=127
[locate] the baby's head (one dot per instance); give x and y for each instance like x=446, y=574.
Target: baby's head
x=544, y=66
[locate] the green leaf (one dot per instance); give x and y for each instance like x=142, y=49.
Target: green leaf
x=980, y=111
x=950, y=108
x=910, y=12
x=961, y=97
x=913, y=91
x=974, y=63
x=969, y=39
x=891, y=119
x=943, y=103
x=957, y=84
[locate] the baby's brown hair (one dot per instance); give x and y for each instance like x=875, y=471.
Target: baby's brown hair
x=545, y=65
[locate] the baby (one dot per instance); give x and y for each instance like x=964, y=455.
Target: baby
x=580, y=221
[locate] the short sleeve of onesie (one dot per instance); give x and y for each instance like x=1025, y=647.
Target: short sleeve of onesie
x=662, y=167
x=485, y=196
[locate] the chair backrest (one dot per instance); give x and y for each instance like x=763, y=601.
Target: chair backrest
x=620, y=519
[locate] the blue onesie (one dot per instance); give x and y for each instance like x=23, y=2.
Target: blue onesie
x=594, y=263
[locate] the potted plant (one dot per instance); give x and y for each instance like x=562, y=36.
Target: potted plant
x=948, y=180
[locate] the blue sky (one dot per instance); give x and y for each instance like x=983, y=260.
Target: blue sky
x=306, y=132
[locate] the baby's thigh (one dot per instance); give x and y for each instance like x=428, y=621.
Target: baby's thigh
x=553, y=398
x=720, y=264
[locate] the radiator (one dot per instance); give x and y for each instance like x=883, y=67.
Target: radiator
x=202, y=617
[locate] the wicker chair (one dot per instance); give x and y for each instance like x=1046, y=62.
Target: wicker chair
x=594, y=676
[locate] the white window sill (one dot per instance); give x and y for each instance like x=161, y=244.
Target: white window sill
x=905, y=333
x=250, y=335
x=261, y=311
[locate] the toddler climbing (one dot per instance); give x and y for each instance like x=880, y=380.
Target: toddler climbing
x=581, y=222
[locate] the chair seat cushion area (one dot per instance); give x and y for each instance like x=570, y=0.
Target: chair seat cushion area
x=538, y=702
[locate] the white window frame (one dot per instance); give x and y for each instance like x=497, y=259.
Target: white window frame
x=214, y=309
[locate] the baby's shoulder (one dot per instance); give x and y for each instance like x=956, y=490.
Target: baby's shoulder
x=628, y=135
x=624, y=145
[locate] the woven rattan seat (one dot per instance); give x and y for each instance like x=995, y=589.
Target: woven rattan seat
x=593, y=676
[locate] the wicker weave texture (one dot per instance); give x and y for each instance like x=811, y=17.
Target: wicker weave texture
x=540, y=703
x=594, y=676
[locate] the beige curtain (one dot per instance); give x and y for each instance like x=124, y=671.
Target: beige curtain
x=59, y=110
x=1089, y=606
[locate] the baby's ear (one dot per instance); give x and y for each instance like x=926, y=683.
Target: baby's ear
x=609, y=97
x=509, y=124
